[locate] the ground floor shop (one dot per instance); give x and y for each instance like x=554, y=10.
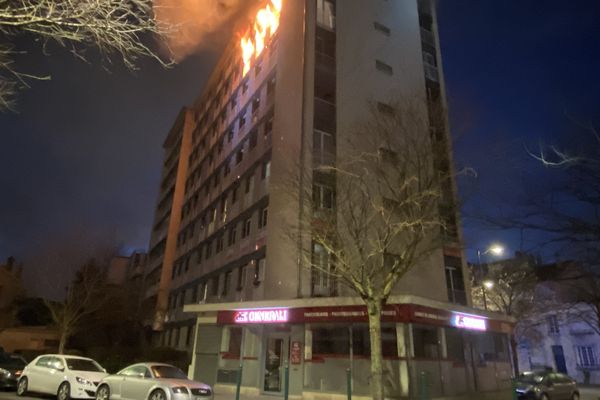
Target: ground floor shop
x=437, y=351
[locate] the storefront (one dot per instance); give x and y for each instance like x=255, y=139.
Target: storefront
x=426, y=347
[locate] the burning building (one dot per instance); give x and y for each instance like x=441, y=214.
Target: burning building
x=227, y=283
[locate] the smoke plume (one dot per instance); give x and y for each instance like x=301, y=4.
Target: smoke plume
x=198, y=24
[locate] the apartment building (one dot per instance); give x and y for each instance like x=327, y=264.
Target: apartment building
x=228, y=284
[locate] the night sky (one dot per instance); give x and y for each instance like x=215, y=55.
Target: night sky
x=80, y=162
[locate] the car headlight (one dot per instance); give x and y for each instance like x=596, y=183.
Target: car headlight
x=83, y=381
x=180, y=389
x=4, y=372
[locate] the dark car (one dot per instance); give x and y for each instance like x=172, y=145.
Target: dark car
x=11, y=366
x=546, y=385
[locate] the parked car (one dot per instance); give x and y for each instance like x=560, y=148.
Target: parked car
x=66, y=376
x=11, y=367
x=152, y=381
x=546, y=385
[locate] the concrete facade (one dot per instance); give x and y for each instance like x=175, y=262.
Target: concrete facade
x=221, y=237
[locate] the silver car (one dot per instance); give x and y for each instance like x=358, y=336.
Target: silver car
x=152, y=381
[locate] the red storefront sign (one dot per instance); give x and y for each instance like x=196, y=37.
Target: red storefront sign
x=358, y=314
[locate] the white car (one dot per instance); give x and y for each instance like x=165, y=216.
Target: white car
x=152, y=381
x=65, y=376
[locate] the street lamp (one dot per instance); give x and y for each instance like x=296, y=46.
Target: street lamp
x=497, y=250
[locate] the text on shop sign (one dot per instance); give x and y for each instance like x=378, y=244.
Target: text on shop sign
x=469, y=322
x=264, y=316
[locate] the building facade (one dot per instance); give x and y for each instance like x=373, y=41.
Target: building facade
x=227, y=282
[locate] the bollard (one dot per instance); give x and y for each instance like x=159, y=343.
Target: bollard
x=286, y=382
x=513, y=387
x=238, y=383
x=423, y=386
x=349, y=383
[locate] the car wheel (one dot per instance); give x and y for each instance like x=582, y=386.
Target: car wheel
x=103, y=393
x=64, y=391
x=22, y=387
x=158, y=394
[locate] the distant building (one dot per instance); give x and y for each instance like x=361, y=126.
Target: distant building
x=11, y=289
x=29, y=339
x=126, y=269
x=564, y=334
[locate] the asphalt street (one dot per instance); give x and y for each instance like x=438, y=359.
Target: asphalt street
x=586, y=394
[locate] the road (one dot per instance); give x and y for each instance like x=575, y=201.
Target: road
x=586, y=394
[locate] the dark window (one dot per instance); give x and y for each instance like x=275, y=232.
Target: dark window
x=262, y=217
x=253, y=138
x=234, y=194
x=382, y=28
x=330, y=340
x=232, y=235
x=229, y=136
x=323, y=197
x=246, y=227
x=190, y=332
x=235, y=342
x=226, y=283
x=220, y=241
x=255, y=104
x=425, y=341
x=271, y=87
x=241, y=277
x=268, y=127
x=383, y=67
x=214, y=286
x=208, y=249
x=266, y=169
x=242, y=121
x=239, y=156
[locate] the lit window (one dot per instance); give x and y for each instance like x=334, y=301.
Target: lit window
x=326, y=14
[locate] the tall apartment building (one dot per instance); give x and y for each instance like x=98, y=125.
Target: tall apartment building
x=227, y=282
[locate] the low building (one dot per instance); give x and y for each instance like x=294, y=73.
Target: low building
x=26, y=339
x=564, y=333
x=11, y=288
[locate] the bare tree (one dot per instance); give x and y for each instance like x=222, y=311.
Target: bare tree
x=513, y=293
x=376, y=211
x=85, y=296
x=114, y=27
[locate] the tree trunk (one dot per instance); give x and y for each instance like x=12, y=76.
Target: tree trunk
x=63, y=341
x=374, y=309
x=515, y=356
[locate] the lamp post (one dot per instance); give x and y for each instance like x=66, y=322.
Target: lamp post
x=497, y=250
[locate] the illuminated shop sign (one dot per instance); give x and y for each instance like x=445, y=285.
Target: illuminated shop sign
x=261, y=316
x=469, y=322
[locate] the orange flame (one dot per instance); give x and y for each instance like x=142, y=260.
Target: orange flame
x=265, y=25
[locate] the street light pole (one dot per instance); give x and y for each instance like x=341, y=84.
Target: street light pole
x=480, y=268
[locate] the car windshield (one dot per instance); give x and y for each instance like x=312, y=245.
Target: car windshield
x=168, y=372
x=78, y=364
x=529, y=377
x=11, y=360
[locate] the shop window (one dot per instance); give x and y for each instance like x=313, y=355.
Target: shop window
x=455, y=344
x=492, y=346
x=361, y=342
x=425, y=341
x=331, y=340
x=235, y=342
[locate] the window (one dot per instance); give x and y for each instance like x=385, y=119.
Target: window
x=245, y=86
x=271, y=87
x=214, y=286
x=385, y=108
x=233, y=101
x=220, y=241
x=454, y=280
x=253, y=138
x=234, y=194
x=323, y=197
x=262, y=217
x=235, y=342
x=241, y=282
x=249, y=183
x=266, y=170
x=330, y=340
x=553, y=326
x=255, y=105
x=242, y=120
x=382, y=28
x=268, y=127
x=383, y=67
x=425, y=341
x=208, y=249
x=239, y=156
x=226, y=283
x=259, y=271
x=585, y=356
x=455, y=344
x=430, y=66
x=323, y=148
x=229, y=136
x=246, y=227
x=326, y=14
x=323, y=282
x=232, y=235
